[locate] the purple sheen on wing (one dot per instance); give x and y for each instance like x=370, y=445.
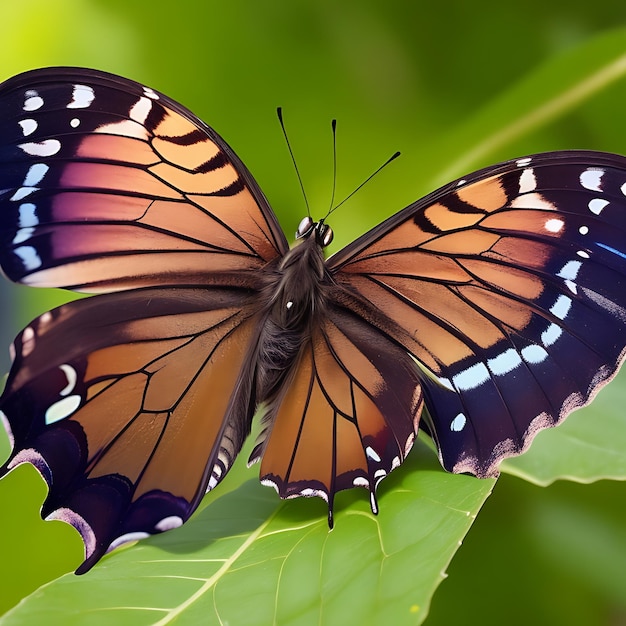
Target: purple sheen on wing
x=74, y=519
x=33, y=457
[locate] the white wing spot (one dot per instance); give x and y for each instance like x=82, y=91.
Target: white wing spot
x=125, y=128
x=28, y=215
x=571, y=286
x=584, y=230
x=140, y=110
x=592, y=179
x=72, y=377
x=29, y=256
x=523, y=162
x=74, y=122
x=570, y=270
x=268, y=482
x=472, y=377
x=372, y=454
x=134, y=536
x=22, y=235
x=33, y=101
x=551, y=335
x=82, y=97
x=150, y=93
x=532, y=201
x=35, y=174
x=527, y=181
x=597, y=205
x=534, y=354
x=46, y=148
x=561, y=307
x=168, y=523
x=554, y=225
x=583, y=254
x=505, y=362
x=21, y=193
x=62, y=409
x=458, y=423
x=29, y=126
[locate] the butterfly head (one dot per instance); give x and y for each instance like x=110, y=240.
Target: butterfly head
x=323, y=232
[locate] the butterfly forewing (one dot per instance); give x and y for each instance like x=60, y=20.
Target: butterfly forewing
x=105, y=184
x=509, y=288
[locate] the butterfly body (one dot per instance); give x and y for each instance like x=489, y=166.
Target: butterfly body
x=497, y=302
x=294, y=293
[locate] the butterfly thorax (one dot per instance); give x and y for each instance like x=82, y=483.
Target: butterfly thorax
x=295, y=297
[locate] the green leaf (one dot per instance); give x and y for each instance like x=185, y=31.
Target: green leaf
x=589, y=446
x=282, y=557
x=550, y=91
x=498, y=130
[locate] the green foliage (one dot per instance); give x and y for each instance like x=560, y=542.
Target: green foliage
x=455, y=87
x=589, y=446
x=293, y=570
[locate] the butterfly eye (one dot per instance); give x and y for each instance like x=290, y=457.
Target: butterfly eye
x=305, y=227
x=324, y=234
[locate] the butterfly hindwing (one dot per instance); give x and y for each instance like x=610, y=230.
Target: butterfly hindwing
x=131, y=405
x=509, y=288
x=349, y=416
x=106, y=184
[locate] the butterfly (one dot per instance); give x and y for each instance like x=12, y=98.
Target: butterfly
x=482, y=313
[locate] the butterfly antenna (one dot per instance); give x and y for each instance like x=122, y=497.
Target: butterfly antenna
x=279, y=112
x=367, y=180
x=333, y=125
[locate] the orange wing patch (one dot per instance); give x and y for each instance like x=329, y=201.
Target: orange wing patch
x=335, y=428
x=174, y=408
x=487, y=195
x=139, y=191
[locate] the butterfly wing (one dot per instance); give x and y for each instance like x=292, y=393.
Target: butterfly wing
x=106, y=184
x=130, y=404
x=349, y=414
x=126, y=405
x=508, y=288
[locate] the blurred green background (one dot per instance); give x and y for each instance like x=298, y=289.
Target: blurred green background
x=417, y=77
